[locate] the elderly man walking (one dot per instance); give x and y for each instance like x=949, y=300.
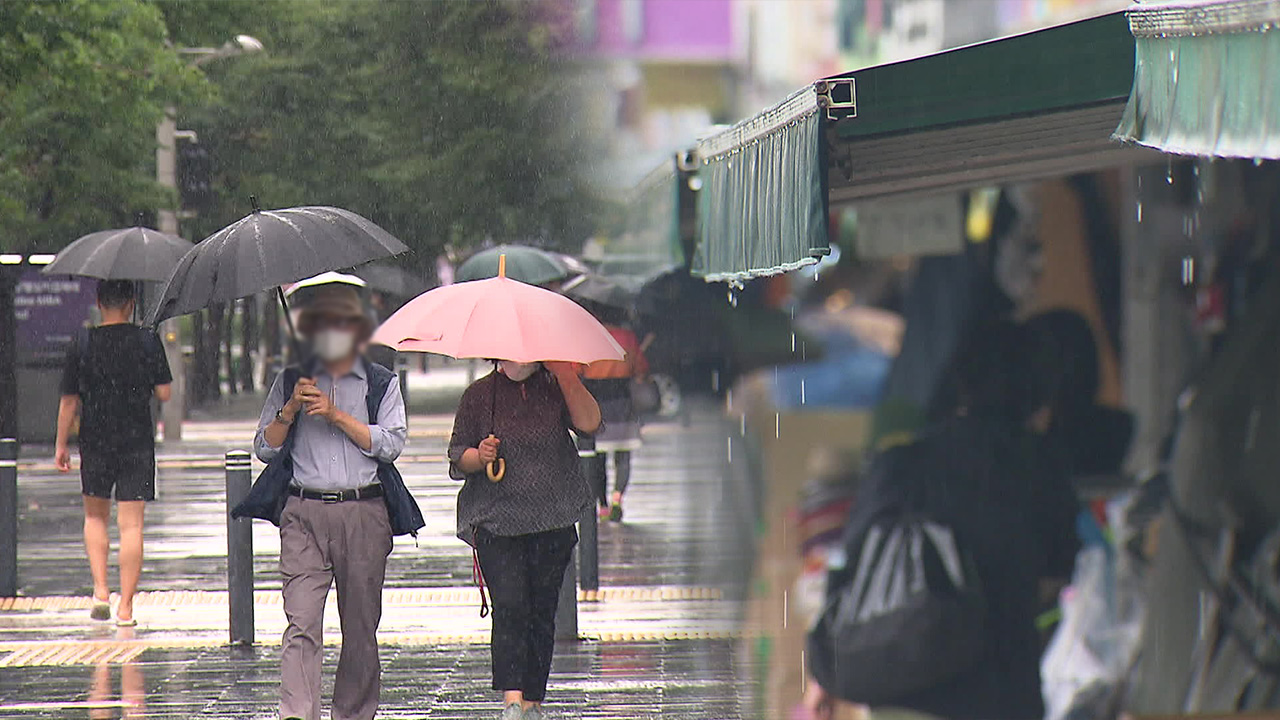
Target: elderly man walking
x=329, y=436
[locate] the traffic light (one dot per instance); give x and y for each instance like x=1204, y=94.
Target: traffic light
x=195, y=176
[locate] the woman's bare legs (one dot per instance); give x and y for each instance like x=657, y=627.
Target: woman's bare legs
x=97, y=513
x=129, y=518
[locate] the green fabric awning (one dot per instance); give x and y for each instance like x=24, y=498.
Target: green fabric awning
x=762, y=206
x=1204, y=81
x=1040, y=104
x=650, y=243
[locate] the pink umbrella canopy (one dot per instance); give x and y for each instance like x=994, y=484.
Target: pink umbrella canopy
x=498, y=319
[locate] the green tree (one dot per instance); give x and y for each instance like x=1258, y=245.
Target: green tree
x=447, y=122
x=82, y=85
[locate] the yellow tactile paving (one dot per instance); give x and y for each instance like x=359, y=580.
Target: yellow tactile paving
x=96, y=652
x=395, y=597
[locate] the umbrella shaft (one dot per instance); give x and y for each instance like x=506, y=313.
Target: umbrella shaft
x=293, y=334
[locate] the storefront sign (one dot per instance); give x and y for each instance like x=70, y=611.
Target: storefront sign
x=910, y=226
x=50, y=311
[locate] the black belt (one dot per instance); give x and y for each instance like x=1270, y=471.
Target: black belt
x=337, y=496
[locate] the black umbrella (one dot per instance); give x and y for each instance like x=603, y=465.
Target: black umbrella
x=392, y=280
x=136, y=253
x=268, y=249
x=599, y=290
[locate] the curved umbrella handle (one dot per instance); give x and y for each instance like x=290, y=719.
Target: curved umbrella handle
x=496, y=470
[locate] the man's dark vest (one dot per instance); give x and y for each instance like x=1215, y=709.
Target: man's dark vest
x=270, y=491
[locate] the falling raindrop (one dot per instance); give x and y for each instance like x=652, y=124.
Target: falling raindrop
x=715, y=384
x=1188, y=271
x=742, y=425
x=785, y=600
x=1168, y=173
x=801, y=391
x=793, y=342
x=1139, y=211
x=730, y=448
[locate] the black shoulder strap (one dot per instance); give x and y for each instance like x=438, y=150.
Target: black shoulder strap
x=379, y=380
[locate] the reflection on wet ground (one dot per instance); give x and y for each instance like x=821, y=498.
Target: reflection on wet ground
x=691, y=680
x=662, y=637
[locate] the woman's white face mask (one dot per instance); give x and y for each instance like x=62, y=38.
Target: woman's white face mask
x=518, y=372
x=333, y=344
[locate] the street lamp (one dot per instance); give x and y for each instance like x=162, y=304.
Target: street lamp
x=239, y=45
x=167, y=219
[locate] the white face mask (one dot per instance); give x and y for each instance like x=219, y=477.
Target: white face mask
x=332, y=344
x=518, y=372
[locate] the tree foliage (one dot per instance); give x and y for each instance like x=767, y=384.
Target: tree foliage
x=82, y=86
x=449, y=123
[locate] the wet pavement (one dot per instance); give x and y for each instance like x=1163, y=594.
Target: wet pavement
x=661, y=638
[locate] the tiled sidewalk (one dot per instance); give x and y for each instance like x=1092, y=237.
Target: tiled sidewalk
x=660, y=637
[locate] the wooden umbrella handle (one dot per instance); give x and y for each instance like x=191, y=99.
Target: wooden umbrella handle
x=497, y=469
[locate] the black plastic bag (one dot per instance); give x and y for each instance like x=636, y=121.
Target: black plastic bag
x=913, y=617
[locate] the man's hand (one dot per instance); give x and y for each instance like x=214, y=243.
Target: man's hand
x=316, y=402
x=298, y=401
x=62, y=458
x=488, y=449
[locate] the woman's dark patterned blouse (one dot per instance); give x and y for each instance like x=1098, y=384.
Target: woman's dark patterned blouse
x=543, y=488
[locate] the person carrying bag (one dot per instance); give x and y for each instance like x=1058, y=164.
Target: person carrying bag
x=913, y=609
x=948, y=550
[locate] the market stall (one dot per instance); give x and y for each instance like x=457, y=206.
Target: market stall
x=1017, y=131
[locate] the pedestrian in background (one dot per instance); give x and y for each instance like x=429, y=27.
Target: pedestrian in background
x=112, y=372
x=612, y=383
x=985, y=472
x=335, y=525
x=521, y=527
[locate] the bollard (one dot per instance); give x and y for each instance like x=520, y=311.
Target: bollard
x=239, y=550
x=588, y=526
x=567, y=609
x=589, y=550
x=8, y=517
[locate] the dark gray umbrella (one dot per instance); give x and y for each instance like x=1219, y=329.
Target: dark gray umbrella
x=136, y=253
x=270, y=248
x=600, y=290
x=392, y=280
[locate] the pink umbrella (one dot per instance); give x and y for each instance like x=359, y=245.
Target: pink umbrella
x=498, y=319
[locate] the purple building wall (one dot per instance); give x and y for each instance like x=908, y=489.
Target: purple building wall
x=662, y=30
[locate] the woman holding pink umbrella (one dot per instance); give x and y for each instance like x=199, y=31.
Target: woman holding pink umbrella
x=522, y=527
x=523, y=490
